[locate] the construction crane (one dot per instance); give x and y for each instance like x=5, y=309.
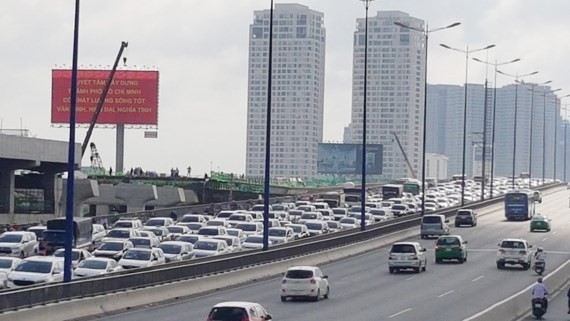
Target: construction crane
x=405, y=156
x=96, y=162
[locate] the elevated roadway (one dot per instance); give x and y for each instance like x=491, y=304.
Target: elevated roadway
x=363, y=289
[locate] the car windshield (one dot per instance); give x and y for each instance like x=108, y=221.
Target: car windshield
x=188, y=238
x=332, y=224
x=347, y=221
x=5, y=264
x=205, y=245
x=276, y=232
x=137, y=255
x=254, y=239
x=512, y=244
x=247, y=227
x=61, y=253
x=309, y=216
x=152, y=222
x=463, y=213
x=195, y=226
x=378, y=212
x=156, y=231
x=141, y=242
x=171, y=248
x=448, y=241
x=538, y=218
x=188, y=219
x=93, y=264
x=403, y=248
x=123, y=224
x=175, y=229
x=119, y=234
x=299, y=274
x=355, y=209
x=34, y=267
x=110, y=246
x=224, y=214
x=314, y=226
x=237, y=217
x=277, y=207
x=208, y=231
x=295, y=212
x=431, y=220
x=216, y=223
x=339, y=211
x=233, y=232
x=296, y=228
x=399, y=207
x=228, y=314
x=10, y=238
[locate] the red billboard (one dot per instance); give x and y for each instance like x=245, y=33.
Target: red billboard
x=132, y=98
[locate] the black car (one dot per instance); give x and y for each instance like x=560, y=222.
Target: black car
x=465, y=217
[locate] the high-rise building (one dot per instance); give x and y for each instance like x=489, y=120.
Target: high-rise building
x=297, y=91
x=396, y=62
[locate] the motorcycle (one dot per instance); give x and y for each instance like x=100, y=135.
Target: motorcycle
x=538, y=308
x=539, y=267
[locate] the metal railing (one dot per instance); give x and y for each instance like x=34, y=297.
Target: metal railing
x=125, y=280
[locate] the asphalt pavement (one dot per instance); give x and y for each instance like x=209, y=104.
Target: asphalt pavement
x=362, y=288
x=557, y=308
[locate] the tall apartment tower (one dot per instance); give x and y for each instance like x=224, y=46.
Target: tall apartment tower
x=396, y=62
x=297, y=91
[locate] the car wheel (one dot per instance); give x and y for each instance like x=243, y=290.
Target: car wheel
x=417, y=270
x=438, y=260
x=500, y=266
x=392, y=270
x=283, y=299
x=456, y=225
x=22, y=255
x=318, y=297
x=328, y=293
x=425, y=266
x=531, y=230
x=527, y=266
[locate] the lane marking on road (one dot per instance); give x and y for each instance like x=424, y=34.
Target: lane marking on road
x=544, y=239
x=411, y=278
x=554, y=232
x=446, y=293
x=401, y=312
x=478, y=278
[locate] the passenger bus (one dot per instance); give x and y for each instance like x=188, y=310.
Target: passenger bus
x=392, y=191
x=519, y=205
x=54, y=235
x=334, y=199
x=413, y=187
x=352, y=196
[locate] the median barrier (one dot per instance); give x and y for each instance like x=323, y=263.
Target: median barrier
x=519, y=304
x=140, y=278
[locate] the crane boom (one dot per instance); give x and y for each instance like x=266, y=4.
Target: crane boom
x=405, y=156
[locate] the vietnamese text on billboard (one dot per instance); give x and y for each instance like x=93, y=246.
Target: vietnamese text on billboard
x=346, y=159
x=132, y=98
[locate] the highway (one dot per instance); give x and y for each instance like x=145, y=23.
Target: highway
x=363, y=289
x=557, y=308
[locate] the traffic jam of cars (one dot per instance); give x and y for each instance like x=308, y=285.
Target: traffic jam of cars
x=36, y=256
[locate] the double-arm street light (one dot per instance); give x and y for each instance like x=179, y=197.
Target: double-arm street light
x=516, y=76
x=492, y=176
x=544, y=93
x=565, y=138
x=363, y=184
x=531, y=137
x=425, y=32
x=467, y=52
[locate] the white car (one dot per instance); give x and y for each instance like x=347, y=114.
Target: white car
x=368, y=218
x=36, y=270
x=230, y=311
x=150, y=234
x=307, y=208
x=381, y=214
x=278, y=235
x=193, y=227
x=259, y=208
x=7, y=265
x=159, y=221
x=514, y=251
x=349, y=222
x=407, y=255
x=161, y=232
x=224, y=215
x=121, y=234
x=144, y=242
x=273, y=222
x=251, y=228
x=304, y=282
x=334, y=226
x=233, y=243
x=212, y=231
x=339, y=213
x=128, y=223
x=113, y=249
x=176, y=231
x=253, y=242
x=218, y=222
x=317, y=227
x=192, y=218
x=295, y=215
x=139, y=258
x=238, y=218
x=328, y=214
x=19, y=244
x=300, y=231
x=99, y=233
x=311, y=216
x=38, y=230
x=237, y=233
x=190, y=238
x=96, y=266
x=210, y=247
x=177, y=250
x=77, y=255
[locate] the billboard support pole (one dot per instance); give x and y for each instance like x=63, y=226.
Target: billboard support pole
x=102, y=100
x=68, y=244
x=120, y=149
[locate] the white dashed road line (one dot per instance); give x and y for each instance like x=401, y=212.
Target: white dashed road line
x=401, y=312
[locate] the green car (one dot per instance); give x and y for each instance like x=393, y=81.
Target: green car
x=540, y=222
x=450, y=247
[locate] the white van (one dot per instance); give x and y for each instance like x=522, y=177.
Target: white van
x=434, y=225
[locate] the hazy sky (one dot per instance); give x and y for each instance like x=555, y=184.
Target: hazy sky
x=201, y=50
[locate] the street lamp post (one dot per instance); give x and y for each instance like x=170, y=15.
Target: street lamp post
x=425, y=32
x=363, y=184
x=516, y=76
x=565, y=135
x=268, y=136
x=466, y=52
x=544, y=93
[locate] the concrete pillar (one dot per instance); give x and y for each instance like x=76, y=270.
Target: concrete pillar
x=48, y=185
x=84, y=189
x=168, y=197
x=7, y=186
x=136, y=196
x=120, y=150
